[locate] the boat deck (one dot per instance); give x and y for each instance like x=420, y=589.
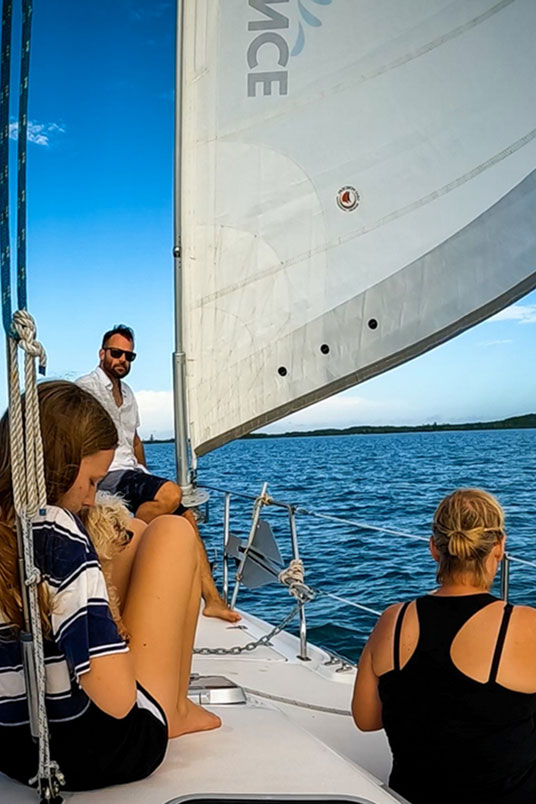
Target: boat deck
x=292, y=735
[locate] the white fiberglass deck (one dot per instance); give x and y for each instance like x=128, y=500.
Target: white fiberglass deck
x=265, y=746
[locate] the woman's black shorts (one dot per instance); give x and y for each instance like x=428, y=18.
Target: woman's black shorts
x=94, y=750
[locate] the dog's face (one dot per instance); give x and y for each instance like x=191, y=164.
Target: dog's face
x=108, y=523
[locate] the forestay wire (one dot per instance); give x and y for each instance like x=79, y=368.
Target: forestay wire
x=27, y=464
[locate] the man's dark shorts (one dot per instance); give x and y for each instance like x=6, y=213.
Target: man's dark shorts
x=133, y=485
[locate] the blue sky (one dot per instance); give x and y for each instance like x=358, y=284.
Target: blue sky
x=100, y=235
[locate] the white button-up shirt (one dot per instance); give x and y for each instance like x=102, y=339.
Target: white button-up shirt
x=125, y=417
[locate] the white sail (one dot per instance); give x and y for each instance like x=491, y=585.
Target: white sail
x=423, y=113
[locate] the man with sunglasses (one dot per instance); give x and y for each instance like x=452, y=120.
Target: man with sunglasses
x=146, y=495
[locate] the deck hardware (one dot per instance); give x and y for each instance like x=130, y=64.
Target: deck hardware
x=215, y=691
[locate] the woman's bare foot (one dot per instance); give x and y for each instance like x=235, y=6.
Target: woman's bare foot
x=217, y=608
x=190, y=718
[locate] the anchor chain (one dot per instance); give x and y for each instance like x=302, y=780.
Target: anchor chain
x=264, y=640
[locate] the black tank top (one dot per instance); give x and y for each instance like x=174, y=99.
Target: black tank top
x=453, y=739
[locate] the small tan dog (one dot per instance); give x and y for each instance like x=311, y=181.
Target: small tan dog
x=108, y=523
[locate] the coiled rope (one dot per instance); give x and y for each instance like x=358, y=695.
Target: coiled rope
x=27, y=463
x=293, y=577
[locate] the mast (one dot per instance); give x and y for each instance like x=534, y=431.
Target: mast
x=179, y=358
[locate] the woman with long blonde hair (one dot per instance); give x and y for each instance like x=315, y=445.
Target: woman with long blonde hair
x=451, y=676
x=112, y=707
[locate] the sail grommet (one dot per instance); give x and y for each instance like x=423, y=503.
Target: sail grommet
x=324, y=349
x=282, y=371
x=373, y=324
x=348, y=198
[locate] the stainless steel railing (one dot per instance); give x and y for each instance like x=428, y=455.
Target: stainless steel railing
x=259, y=501
x=293, y=511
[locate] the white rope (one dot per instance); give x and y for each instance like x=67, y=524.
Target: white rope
x=363, y=525
x=29, y=492
x=305, y=512
x=293, y=577
x=29, y=496
x=330, y=710
x=348, y=602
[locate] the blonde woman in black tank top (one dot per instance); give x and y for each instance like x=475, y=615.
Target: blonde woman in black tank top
x=451, y=676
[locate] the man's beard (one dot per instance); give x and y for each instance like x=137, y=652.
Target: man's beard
x=118, y=375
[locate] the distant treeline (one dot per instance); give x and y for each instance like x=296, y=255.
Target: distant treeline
x=513, y=423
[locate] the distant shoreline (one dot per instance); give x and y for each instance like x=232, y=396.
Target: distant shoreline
x=513, y=423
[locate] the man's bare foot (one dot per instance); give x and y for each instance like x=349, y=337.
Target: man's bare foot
x=217, y=608
x=192, y=717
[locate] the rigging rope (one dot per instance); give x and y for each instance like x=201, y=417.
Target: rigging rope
x=27, y=462
x=353, y=523
x=305, y=512
x=363, y=525
x=521, y=560
x=330, y=710
x=21, y=153
x=348, y=602
x=5, y=70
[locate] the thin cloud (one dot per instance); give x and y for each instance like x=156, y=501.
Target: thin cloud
x=140, y=13
x=38, y=133
x=522, y=313
x=495, y=343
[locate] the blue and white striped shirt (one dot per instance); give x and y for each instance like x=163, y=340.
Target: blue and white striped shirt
x=82, y=624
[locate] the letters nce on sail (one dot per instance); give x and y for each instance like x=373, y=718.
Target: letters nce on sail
x=357, y=186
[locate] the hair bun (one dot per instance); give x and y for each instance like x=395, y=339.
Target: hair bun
x=464, y=544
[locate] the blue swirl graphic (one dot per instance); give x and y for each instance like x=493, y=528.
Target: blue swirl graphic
x=299, y=43
x=309, y=18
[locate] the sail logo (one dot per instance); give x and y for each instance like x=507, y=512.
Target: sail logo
x=308, y=18
x=269, y=39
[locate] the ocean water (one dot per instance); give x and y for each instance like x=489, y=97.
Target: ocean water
x=389, y=480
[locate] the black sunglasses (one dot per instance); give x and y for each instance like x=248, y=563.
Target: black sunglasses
x=130, y=356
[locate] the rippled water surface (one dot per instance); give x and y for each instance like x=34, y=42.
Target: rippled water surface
x=392, y=480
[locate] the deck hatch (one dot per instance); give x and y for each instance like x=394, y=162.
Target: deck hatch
x=215, y=691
